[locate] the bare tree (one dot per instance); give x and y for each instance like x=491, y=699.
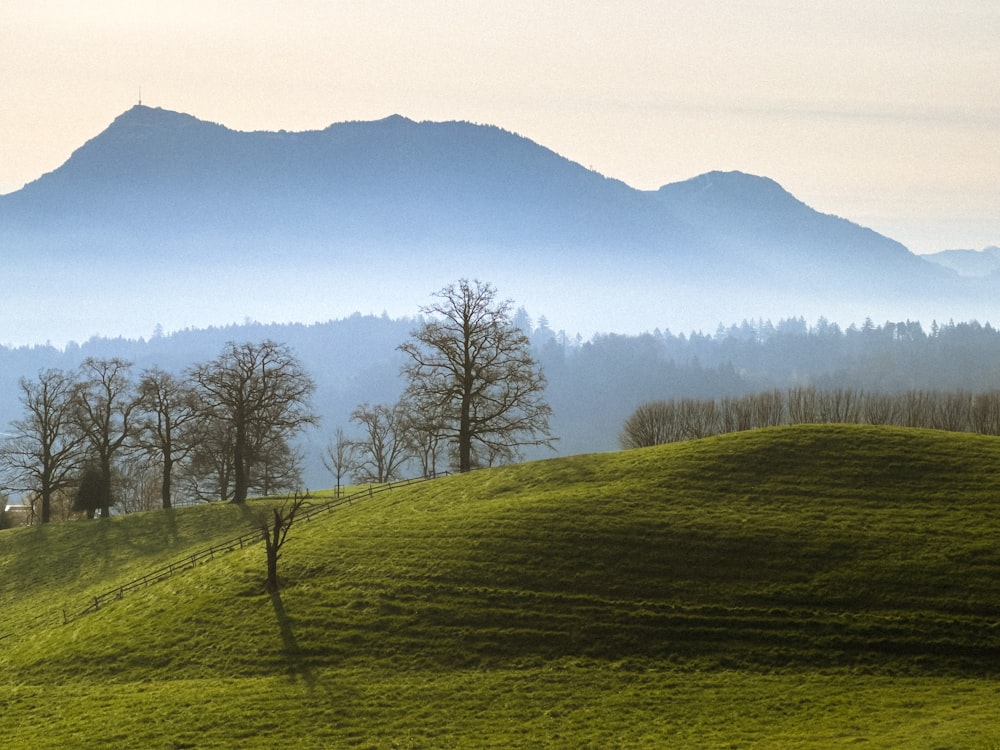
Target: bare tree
x=274, y=527
x=985, y=414
x=425, y=436
x=698, y=418
x=139, y=482
x=652, y=423
x=381, y=453
x=840, y=405
x=952, y=411
x=278, y=467
x=736, y=414
x=768, y=408
x=803, y=405
x=917, y=409
x=338, y=457
x=208, y=474
x=472, y=368
x=880, y=409
x=169, y=408
x=105, y=402
x=262, y=392
x=43, y=452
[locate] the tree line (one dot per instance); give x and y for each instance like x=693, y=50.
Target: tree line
x=666, y=421
x=101, y=437
x=473, y=395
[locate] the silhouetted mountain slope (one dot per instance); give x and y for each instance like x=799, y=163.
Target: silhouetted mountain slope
x=182, y=217
x=390, y=180
x=969, y=262
x=755, y=217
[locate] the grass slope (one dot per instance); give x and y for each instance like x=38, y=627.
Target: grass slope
x=807, y=586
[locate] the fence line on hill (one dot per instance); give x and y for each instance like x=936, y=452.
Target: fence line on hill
x=244, y=540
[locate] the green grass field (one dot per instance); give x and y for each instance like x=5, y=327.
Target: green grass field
x=811, y=586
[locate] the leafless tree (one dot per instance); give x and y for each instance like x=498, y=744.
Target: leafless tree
x=916, y=409
x=277, y=468
x=274, y=527
x=382, y=451
x=338, y=457
x=986, y=413
x=803, y=405
x=42, y=454
x=139, y=482
x=208, y=474
x=105, y=403
x=168, y=411
x=698, y=418
x=652, y=423
x=768, y=408
x=470, y=367
x=425, y=436
x=262, y=392
x=952, y=411
x=880, y=409
x=839, y=406
x=736, y=414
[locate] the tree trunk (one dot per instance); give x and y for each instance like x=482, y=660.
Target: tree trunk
x=106, y=494
x=240, y=479
x=465, y=412
x=46, y=504
x=465, y=437
x=167, y=483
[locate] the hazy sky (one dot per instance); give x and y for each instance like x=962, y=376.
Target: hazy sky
x=885, y=113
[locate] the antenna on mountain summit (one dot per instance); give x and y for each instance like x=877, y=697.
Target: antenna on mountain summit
x=140, y=96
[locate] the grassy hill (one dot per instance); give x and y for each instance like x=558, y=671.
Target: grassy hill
x=808, y=586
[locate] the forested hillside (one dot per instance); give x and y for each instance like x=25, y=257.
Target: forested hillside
x=594, y=385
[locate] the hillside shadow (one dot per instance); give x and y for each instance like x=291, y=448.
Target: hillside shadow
x=298, y=667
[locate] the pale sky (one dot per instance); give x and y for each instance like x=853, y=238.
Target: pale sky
x=887, y=113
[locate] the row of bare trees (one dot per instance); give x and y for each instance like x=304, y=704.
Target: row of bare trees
x=658, y=422
x=474, y=395
x=100, y=437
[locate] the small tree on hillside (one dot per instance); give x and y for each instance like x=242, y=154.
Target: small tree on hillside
x=338, y=457
x=274, y=526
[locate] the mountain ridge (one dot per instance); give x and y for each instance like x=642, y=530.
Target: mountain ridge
x=433, y=201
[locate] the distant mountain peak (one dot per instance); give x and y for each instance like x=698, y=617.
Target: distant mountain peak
x=734, y=198
x=142, y=115
x=752, y=192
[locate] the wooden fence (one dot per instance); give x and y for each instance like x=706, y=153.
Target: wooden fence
x=244, y=540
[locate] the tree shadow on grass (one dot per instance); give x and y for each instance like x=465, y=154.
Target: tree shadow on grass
x=298, y=667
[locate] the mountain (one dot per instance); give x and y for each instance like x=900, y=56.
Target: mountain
x=969, y=262
x=164, y=218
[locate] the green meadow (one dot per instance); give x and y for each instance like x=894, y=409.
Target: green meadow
x=807, y=587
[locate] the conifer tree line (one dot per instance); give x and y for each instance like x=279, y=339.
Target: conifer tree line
x=668, y=421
